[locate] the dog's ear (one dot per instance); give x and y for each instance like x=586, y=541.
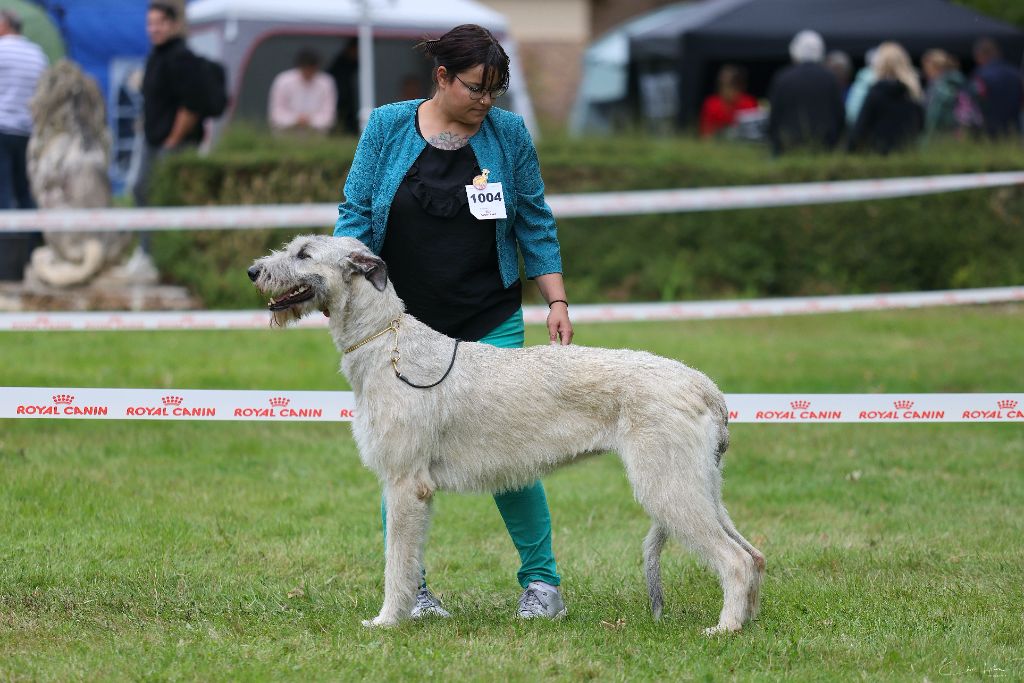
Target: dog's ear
x=371, y=267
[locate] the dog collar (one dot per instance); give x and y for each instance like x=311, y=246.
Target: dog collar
x=392, y=327
x=396, y=356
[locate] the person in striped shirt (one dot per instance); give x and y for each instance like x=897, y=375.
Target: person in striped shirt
x=22, y=62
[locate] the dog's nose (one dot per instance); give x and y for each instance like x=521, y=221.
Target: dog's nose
x=254, y=273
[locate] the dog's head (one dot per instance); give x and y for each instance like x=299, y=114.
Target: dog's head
x=315, y=273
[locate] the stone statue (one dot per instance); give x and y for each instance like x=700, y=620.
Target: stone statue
x=68, y=159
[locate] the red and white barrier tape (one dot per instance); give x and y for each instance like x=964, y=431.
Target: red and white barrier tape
x=339, y=406
x=581, y=313
x=761, y=196
x=322, y=216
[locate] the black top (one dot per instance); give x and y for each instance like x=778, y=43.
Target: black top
x=170, y=82
x=1000, y=90
x=806, y=108
x=443, y=261
x=888, y=119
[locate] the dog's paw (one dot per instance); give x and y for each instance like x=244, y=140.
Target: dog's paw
x=720, y=629
x=380, y=621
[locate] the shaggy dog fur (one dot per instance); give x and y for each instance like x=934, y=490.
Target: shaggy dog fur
x=504, y=417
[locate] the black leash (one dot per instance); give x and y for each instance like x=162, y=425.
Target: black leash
x=451, y=365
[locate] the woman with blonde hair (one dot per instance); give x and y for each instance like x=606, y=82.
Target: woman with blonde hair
x=945, y=83
x=892, y=116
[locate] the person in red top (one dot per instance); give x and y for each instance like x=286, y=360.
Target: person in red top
x=719, y=110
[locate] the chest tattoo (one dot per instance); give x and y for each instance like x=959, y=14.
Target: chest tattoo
x=448, y=140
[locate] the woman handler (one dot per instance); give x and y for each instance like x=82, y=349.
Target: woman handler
x=456, y=269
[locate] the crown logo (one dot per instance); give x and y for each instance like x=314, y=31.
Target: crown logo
x=903, y=405
x=172, y=400
x=799, y=405
x=279, y=401
x=63, y=399
x=1008, y=404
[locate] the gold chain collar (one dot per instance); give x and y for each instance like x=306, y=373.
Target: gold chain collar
x=392, y=327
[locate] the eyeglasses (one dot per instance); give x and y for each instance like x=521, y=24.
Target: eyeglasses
x=477, y=93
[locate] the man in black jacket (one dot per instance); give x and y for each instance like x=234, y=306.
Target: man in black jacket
x=172, y=94
x=806, y=99
x=998, y=89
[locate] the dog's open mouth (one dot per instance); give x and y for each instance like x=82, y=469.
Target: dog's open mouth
x=296, y=296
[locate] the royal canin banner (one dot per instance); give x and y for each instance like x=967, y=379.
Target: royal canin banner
x=175, y=404
x=871, y=408
x=322, y=216
x=58, y=403
x=581, y=313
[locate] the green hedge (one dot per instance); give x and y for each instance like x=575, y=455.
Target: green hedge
x=962, y=239
x=1005, y=10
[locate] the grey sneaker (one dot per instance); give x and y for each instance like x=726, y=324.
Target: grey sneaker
x=427, y=605
x=541, y=600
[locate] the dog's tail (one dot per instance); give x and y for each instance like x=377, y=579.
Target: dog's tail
x=653, y=544
x=720, y=435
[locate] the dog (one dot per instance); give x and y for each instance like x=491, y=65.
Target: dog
x=436, y=415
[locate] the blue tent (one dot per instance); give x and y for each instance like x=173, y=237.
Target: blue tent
x=107, y=38
x=98, y=32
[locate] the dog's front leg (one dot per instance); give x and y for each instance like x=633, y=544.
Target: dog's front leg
x=408, y=516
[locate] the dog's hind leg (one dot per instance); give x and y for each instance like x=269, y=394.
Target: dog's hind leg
x=754, y=591
x=408, y=516
x=698, y=527
x=653, y=544
x=691, y=516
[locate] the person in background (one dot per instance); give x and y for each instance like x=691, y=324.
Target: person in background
x=998, y=90
x=171, y=94
x=22, y=62
x=344, y=69
x=862, y=82
x=719, y=110
x=806, y=102
x=892, y=116
x=945, y=83
x=303, y=99
x=838, y=62
x=406, y=199
x=411, y=88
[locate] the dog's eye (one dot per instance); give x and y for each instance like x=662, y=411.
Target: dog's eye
x=302, y=254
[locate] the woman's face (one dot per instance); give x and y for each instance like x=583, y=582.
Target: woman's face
x=462, y=97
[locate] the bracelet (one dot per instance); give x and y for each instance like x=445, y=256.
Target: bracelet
x=558, y=301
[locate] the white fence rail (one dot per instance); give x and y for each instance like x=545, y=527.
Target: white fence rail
x=322, y=216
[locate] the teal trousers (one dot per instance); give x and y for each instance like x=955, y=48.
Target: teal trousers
x=525, y=512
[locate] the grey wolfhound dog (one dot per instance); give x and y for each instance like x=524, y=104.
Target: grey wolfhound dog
x=502, y=418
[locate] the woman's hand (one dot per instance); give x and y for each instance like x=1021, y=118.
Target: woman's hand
x=553, y=291
x=559, y=325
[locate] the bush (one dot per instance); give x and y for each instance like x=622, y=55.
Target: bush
x=961, y=239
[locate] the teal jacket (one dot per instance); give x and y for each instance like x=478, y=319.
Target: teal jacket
x=389, y=146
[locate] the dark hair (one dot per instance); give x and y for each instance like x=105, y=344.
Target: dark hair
x=12, y=19
x=463, y=48
x=732, y=76
x=169, y=10
x=987, y=49
x=307, y=57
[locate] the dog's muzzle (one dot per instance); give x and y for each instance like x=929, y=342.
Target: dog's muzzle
x=296, y=296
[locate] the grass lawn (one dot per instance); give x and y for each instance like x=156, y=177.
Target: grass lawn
x=250, y=551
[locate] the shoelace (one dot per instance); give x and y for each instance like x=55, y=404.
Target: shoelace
x=530, y=601
x=425, y=600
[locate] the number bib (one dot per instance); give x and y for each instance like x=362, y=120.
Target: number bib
x=488, y=203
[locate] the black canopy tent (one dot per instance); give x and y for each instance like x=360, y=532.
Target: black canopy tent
x=757, y=33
